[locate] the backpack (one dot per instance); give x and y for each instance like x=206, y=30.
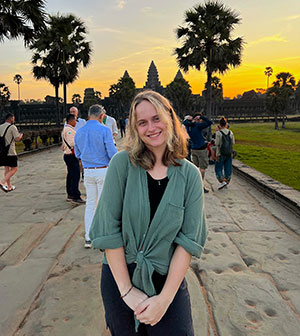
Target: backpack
x=226, y=146
x=3, y=147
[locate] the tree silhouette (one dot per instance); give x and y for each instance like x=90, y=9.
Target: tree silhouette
x=216, y=94
x=268, y=73
x=76, y=99
x=123, y=93
x=285, y=79
x=19, y=18
x=4, y=95
x=277, y=96
x=60, y=50
x=207, y=41
x=297, y=96
x=179, y=93
x=18, y=79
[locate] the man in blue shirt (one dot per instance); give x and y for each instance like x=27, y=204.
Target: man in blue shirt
x=94, y=146
x=194, y=126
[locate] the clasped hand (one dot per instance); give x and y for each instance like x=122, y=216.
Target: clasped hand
x=147, y=310
x=151, y=310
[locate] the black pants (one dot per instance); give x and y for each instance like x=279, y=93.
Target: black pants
x=122, y=129
x=177, y=320
x=73, y=176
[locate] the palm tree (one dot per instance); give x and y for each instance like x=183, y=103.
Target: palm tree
x=207, y=42
x=285, y=79
x=45, y=67
x=277, y=96
x=286, y=84
x=268, y=73
x=216, y=93
x=61, y=48
x=18, y=79
x=21, y=19
x=4, y=95
x=76, y=99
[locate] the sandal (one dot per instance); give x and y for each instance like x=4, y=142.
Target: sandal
x=4, y=188
x=12, y=188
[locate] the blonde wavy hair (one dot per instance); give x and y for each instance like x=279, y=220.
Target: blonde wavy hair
x=176, y=141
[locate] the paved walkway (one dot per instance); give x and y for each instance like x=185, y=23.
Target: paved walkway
x=246, y=283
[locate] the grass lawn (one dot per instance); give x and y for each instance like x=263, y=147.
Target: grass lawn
x=274, y=153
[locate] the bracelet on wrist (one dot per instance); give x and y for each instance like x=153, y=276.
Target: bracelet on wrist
x=122, y=296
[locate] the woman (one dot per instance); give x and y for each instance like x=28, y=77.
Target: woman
x=224, y=142
x=149, y=221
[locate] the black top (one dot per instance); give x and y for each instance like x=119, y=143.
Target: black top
x=156, y=189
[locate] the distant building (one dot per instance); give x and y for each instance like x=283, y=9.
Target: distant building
x=179, y=75
x=153, y=82
x=249, y=95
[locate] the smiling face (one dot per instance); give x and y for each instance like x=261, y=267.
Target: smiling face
x=151, y=130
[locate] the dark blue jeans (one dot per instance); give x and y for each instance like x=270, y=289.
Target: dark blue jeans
x=223, y=164
x=73, y=176
x=177, y=320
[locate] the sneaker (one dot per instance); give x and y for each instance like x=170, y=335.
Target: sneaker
x=88, y=244
x=205, y=190
x=78, y=201
x=222, y=185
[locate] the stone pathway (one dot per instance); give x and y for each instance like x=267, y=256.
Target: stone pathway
x=246, y=282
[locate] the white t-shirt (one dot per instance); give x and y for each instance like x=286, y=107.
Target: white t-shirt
x=80, y=122
x=112, y=125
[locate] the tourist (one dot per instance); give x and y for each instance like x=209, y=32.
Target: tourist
x=10, y=160
x=194, y=126
x=188, y=140
x=111, y=123
x=122, y=126
x=224, y=142
x=94, y=146
x=79, y=121
x=150, y=221
x=72, y=163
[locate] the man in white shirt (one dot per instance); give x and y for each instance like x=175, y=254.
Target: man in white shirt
x=72, y=163
x=10, y=160
x=79, y=123
x=111, y=123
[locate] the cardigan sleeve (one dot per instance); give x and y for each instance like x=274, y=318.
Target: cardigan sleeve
x=105, y=230
x=193, y=232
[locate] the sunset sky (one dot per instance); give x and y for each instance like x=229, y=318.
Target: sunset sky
x=129, y=34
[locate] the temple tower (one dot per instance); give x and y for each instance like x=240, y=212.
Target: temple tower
x=126, y=74
x=179, y=75
x=153, y=82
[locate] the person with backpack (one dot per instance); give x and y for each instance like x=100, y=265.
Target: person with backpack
x=195, y=126
x=224, y=142
x=9, y=135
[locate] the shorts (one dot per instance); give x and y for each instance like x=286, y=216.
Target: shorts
x=9, y=161
x=200, y=158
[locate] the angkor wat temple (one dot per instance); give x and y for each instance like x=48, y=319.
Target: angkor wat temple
x=249, y=106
